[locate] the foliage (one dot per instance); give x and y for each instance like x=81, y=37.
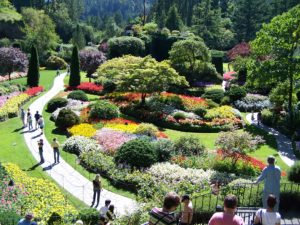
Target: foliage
x=80, y=144
x=66, y=118
x=253, y=102
x=214, y=94
x=56, y=103
x=83, y=129
x=37, y=198
x=242, y=49
x=33, y=74
x=173, y=20
x=119, y=46
x=294, y=173
x=78, y=95
x=137, y=153
x=279, y=96
x=103, y=110
x=236, y=93
x=91, y=60
x=267, y=117
x=12, y=59
x=89, y=215
x=75, y=72
x=55, y=62
x=147, y=129
x=78, y=38
x=143, y=75
x=188, y=145
x=164, y=148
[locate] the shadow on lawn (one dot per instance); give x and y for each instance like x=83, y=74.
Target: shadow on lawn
x=57, y=131
x=269, y=138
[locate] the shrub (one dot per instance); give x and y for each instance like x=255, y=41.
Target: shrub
x=164, y=149
x=104, y=110
x=214, y=94
x=78, y=95
x=174, y=100
x=109, y=86
x=236, y=93
x=188, y=146
x=200, y=111
x=179, y=116
x=211, y=104
x=79, y=144
x=240, y=168
x=89, y=216
x=56, y=103
x=138, y=153
x=294, y=173
x=66, y=118
x=253, y=102
x=147, y=129
x=125, y=46
x=55, y=62
x=267, y=117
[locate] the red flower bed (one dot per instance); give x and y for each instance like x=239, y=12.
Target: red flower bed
x=119, y=121
x=34, y=91
x=87, y=87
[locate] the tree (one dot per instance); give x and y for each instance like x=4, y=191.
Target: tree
x=242, y=49
x=90, y=61
x=74, y=80
x=78, y=37
x=125, y=46
x=143, y=75
x=192, y=59
x=33, y=74
x=39, y=30
x=173, y=21
x=12, y=59
x=274, y=49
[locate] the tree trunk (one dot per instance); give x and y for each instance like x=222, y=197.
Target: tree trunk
x=144, y=18
x=9, y=78
x=143, y=99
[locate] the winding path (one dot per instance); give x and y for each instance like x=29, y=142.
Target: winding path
x=63, y=173
x=284, y=144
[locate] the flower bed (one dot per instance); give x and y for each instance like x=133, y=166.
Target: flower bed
x=34, y=91
x=87, y=87
x=5, y=98
x=84, y=129
x=43, y=198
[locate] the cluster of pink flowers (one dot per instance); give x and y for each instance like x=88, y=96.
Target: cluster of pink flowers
x=111, y=140
x=4, y=98
x=34, y=91
x=229, y=75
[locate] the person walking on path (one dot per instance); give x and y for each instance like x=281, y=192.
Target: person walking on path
x=259, y=117
x=57, y=72
x=55, y=146
x=97, y=187
x=227, y=217
x=22, y=117
x=268, y=216
x=29, y=122
x=27, y=220
x=41, y=145
x=41, y=123
x=37, y=117
x=187, y=212
x=271, y=175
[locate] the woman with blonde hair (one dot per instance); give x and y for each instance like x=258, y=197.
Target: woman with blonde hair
x=97, y=187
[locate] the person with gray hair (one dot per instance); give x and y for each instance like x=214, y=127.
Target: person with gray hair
x=271, y=176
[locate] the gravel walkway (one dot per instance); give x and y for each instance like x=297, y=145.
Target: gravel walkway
x=63, y=173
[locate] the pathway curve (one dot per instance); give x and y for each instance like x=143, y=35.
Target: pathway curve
x=284, y=144
x=63, y=173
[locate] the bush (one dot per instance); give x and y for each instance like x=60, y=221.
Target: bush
x=214, y=94
x=109, y=86
x=200, y=111
x=174, y=100
x=56, y=103
x=147, y=129
x=236, y=93
x=120, y=46
x=55, y=62
x=104, y=110
x=188, y=146
x=179, y=116
x=240, y=168
x=211, y=104
x=253, y=102
x=225, y=100
x=9, y=217
x=294, y=173
x=79, y=144
x=267, y=117
x=78, y=95
x=89, y=216
x=137, y=153
x=164, y=149
x=66, y=118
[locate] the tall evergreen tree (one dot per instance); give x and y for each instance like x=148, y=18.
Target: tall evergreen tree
x=33, y=74
x=78, y=37
x=75, y=71
x=173, y=21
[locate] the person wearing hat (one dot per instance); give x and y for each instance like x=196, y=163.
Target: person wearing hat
x=271, y=175
x=187, y=212
x=27, y=220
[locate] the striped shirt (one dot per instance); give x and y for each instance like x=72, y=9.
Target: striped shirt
x=158, y=217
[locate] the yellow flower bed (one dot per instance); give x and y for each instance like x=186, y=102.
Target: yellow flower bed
x=129, y=128
x=11, y=107
x=223, y=112
x=44, y=197
x=84, y=129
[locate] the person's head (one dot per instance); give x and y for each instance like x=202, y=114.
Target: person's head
x=97, y=177
x=111, y=208
x=107, y=202
x=185, y=199
x=171, y=201
x=271, y=201
x=102, y=220
x=41, y=140
x=271, y=160
x=79, y=222
x=37, y=112
x=230, y=203
x=29, y=216
x=54, y=139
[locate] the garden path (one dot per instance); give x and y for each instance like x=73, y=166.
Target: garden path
x=63, y=173
x=284, y=144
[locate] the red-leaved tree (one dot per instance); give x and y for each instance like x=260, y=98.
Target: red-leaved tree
x=242, y=49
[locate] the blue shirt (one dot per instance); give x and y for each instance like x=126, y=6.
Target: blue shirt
x=271, y=175
x=26, y=222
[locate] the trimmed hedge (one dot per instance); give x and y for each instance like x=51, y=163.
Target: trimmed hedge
x=56, y=103
x=78, y=95
x=103, y=110
x=66, y=118
x=214, y=94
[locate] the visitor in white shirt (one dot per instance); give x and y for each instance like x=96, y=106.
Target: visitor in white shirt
x=104, y=209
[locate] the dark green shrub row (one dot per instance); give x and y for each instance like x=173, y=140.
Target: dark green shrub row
x=56, y=103
x=78, y=95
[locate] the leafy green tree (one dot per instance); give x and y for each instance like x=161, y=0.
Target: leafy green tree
x=75, y=71
x=173, y=21
x=274, y=48
x=33, y=74
x=78, y=37
x=143, y=75
x=76, y=8
x=192, y=59
x=39, y=30
x=125, y=46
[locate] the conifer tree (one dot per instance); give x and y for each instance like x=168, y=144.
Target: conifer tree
x=173, y=21
x=75, y=72
x=33, y=74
